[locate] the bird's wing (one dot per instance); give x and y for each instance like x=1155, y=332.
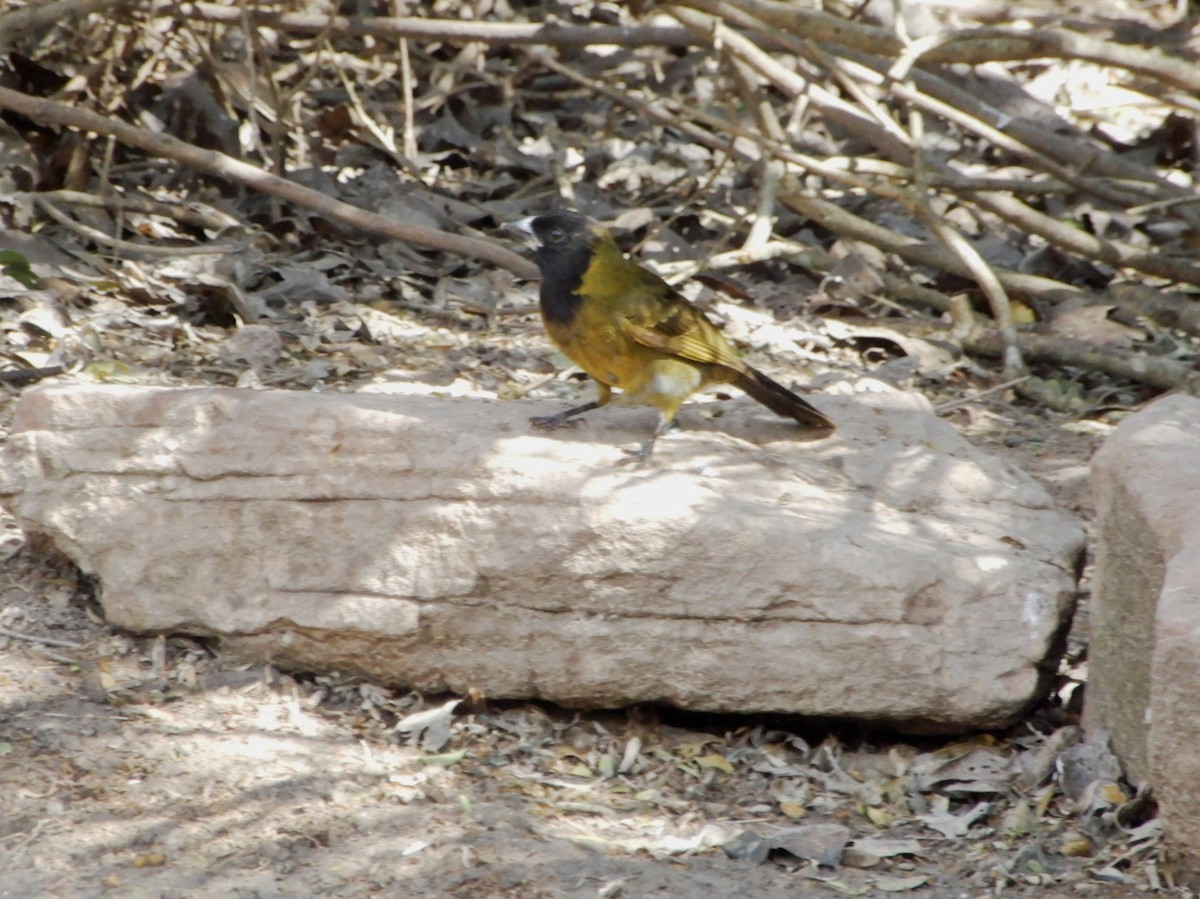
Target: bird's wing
x=671, y=324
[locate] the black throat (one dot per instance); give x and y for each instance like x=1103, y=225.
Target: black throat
x=562, y=271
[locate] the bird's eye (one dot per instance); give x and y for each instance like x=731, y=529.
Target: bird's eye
x=554, y=235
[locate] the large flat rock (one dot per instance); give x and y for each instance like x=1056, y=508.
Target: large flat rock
x=891, y=572
x=1144, y=657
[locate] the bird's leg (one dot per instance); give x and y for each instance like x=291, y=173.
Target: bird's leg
x=640, y=456
x=562, y=419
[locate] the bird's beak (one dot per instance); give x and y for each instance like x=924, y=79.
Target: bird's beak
x=524, y=229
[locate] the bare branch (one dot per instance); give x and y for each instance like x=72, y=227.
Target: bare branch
x=191, y=211
x=913, y=251
x=970, y=46
x=106, y=240
x=1158, y=372
x=168, y=147
x=552, y=33
x=34, y=16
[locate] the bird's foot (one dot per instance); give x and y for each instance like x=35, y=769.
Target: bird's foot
x=551, y=422
x=637, y=457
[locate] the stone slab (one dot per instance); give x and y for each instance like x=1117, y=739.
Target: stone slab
x=891, y=573
x=1144, y=655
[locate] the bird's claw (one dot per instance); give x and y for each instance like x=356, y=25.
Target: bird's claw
x=637, y=457
x=551, y=422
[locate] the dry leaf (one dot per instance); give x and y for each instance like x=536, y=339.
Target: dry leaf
x=715, y=761
x=431, y=726
x=901, y=884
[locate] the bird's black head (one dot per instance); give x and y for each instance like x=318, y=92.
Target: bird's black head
x=557, y=234
x=565, y=244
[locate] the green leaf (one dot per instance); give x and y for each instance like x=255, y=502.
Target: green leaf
x=445, y=759
x=17, y=267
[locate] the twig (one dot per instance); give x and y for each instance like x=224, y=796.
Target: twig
x=45, y=641
x=996, y=133
x=869, y=48
x=191, y=212
x=892, y=141
x=51, y=112
x=406, y=87
x=771, y=170
x=41, y=15
x=971, y=46
x=953, y=181
x=979, y=394
x=1064, y=147
x=1175, y=310
x=998, y=44
x=1112, y=252
x=738, y=46
x=913, y=251
x=98, y=236
x=691, y=127
x=552, y=33
x=888, y=138
x=1157, y=372
x=809, y=24
x=19, y=377
x=979, y=268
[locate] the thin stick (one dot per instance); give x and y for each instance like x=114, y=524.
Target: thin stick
x=45, y=641
x=912, y=251
x=983, y=274
x=191, y=212
x=52, y=112
x=971, y=45
x=406, y=86
x=980, y=394
x=33, y=16
x=115, y=243
x=1153, y=370
x=451, y=30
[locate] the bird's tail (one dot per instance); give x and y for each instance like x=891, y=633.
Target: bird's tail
x=780, y=400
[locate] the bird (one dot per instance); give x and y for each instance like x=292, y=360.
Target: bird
x=629, y=330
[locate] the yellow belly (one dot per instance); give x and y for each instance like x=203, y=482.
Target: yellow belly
x=645, y=376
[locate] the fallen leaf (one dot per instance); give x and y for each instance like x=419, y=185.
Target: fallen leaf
x=1018, y=820
x=715, y=761
x=901, y=884
x=431, y=726
x=709, y=836
x=630, y=756
x=820, y=843
x=445, y=759
x=878, y=816
x=978, y=770
x=951, y=825
x=885, y=848
x=747, y=845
